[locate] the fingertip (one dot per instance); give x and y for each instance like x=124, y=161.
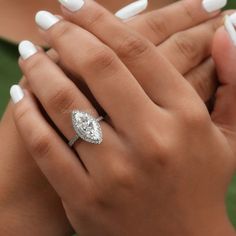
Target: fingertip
x=17, y=93
x=26, y=49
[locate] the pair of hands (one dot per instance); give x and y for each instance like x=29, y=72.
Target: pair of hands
x=140, y=63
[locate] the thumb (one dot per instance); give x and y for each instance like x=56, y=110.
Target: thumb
x=224, y=55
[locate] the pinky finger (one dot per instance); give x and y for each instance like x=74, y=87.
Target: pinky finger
x=58, y=163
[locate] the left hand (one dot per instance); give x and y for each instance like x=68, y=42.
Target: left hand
x=163, y=166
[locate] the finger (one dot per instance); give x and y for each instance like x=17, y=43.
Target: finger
x=187, y=49
x=136, y=53
x=59, y=97
x=204, y=79
x=224, y=54
x=52, y=54
x=83, y=54
x=157, y=27
x=58, y=163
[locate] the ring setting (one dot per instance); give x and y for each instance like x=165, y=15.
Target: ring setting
x=86, y=127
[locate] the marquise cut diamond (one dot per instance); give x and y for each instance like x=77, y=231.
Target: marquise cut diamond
x=87, y=127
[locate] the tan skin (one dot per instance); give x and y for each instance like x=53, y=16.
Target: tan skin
x=52, y=218
x=164, y=164
x=19, y=14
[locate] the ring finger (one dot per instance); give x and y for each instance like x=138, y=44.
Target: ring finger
x=59, y=97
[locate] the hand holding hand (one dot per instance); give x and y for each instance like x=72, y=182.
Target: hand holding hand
x=161, y=153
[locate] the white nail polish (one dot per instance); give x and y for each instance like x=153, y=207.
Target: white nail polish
x=132, y=9
x=45, y=19
x=72, y=5
x=233, y=18
x=16, y=93
x=213, y=5
x=230, y=29
x=27, y=49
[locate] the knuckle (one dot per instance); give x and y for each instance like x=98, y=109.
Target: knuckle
x=62, y=29
x=195, y=118
x=159, y=149
x=158, y=24
x=216, y=23
x=41, y=145
x=132, y=47
x=189, y=11
x=187, y=46
x=62, y=99
x=93, y=19
x=123, y=177
x=102, y=59
x=20, y=113
x=34, y=65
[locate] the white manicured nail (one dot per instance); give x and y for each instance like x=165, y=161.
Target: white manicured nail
x=27, y=49
x=16, y=93
x=132, y=9
x=45, y=19
x=213, y=5
x=233, y=18
x=72, y=5
x=230, y=29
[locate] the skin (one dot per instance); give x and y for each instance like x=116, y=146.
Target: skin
x=24, y=11
x=29, y=180
x=158, y=161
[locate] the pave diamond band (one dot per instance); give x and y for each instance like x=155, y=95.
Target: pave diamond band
x=86, y=127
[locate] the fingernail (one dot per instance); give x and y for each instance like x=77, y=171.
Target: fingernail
x=233, y=18
x=45, y=19
x=27, y=49
x=230, y=29
x=132, y=9
x=72, y=5
x=16, y=93
x=213, y=5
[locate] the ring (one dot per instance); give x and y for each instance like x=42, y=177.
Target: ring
x=86, y=127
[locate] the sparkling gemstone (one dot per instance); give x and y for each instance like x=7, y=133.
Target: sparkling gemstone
x=87, y=127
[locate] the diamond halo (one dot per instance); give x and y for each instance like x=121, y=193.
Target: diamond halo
x=86, y=127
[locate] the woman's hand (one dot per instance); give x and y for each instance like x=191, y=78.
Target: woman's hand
x=182, y=33
x=163, y=166
x=46, y=207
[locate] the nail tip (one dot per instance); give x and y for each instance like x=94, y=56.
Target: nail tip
x=213, y=5
x=72, y=5
x=132, y=10
x=45, y=19
x=16, y=93
x=26, y=49
x=40, y=14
